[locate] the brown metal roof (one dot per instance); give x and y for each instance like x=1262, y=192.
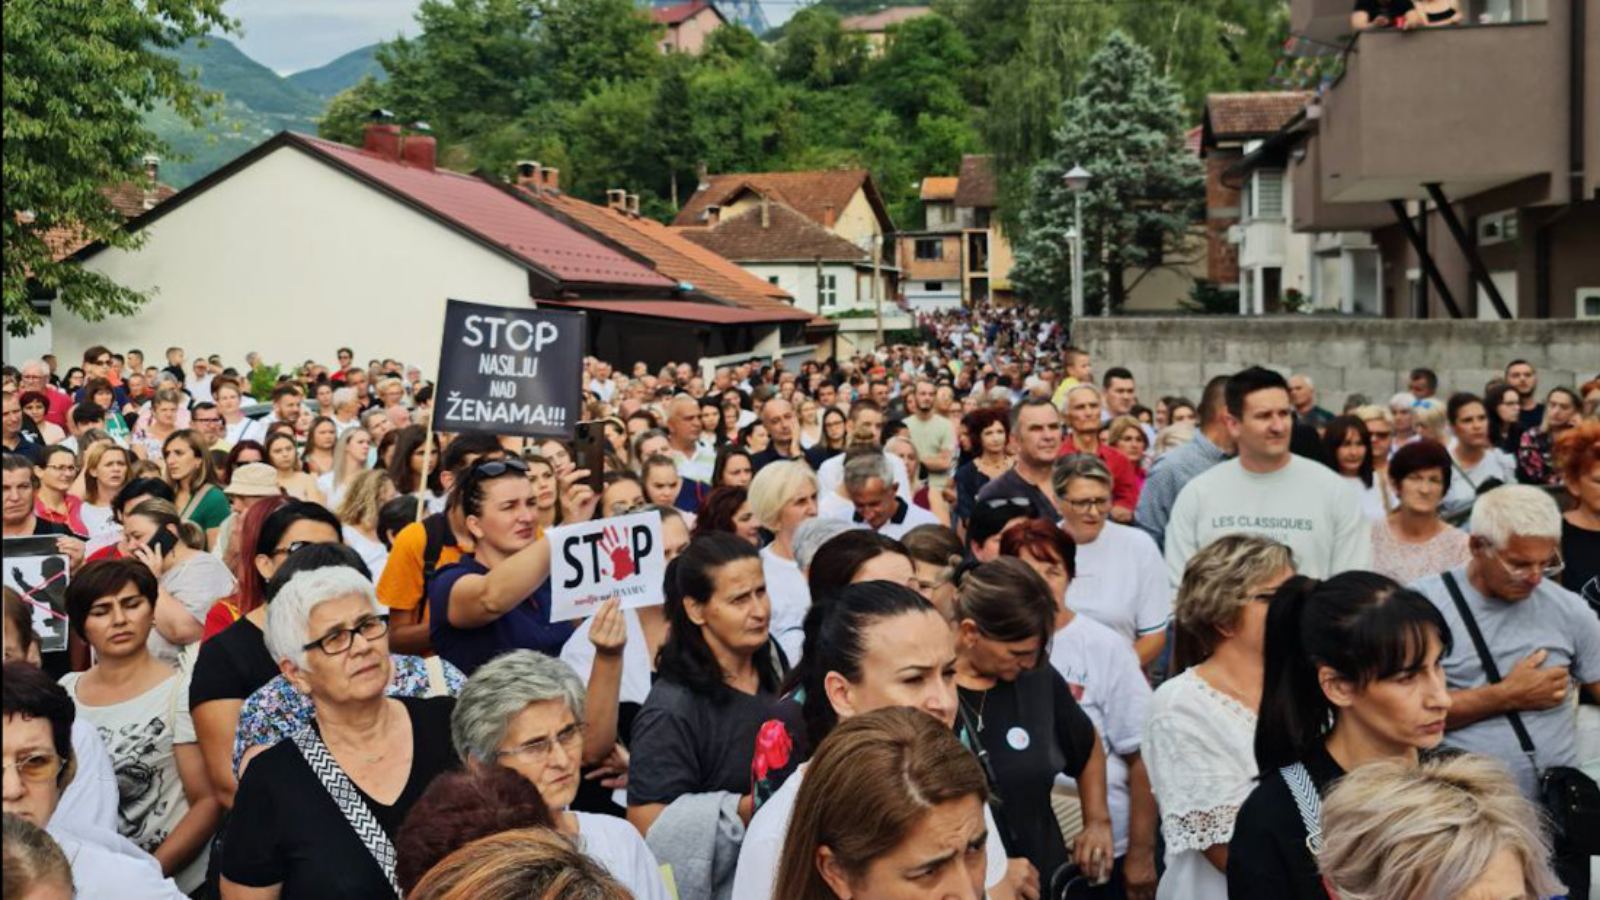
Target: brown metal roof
x=679, y=310
x=978, y=186
x=811, y=193
x=788, y=235
x=1251, y=115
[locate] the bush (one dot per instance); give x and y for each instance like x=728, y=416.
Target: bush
x=263, y=379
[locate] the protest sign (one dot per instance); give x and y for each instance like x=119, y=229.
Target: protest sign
x=38, y=573
x=510, y=371
x=592, y=561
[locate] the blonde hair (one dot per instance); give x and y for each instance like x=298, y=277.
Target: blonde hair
x=1120, y=425
x=1428, y=417
x=32, y=859
x=91, y=461
x=525, y=864
x=774, y=486
x=1428, y=831
x=1372, y=411
x=165, y=515
x=1216, y=586
x=1173, y=436
x=360, y=505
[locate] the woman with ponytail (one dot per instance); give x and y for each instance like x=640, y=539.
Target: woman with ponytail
x=1352, y=676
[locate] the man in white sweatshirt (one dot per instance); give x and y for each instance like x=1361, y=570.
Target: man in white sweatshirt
x=1267, y=490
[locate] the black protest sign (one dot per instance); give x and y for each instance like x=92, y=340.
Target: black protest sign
x=510, y=371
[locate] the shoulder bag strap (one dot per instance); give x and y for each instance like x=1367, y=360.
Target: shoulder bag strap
x=1308, y=801
x=1489, y=668
x=348, y=799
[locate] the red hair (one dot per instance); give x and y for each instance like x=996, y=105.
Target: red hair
x=252, y=587
x=1041, y=540
x=1577, y=451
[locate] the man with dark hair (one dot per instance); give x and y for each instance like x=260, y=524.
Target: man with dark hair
x=206, y=420
x=39, y=752
x=85, y=416
x=1524, y=379
x=97, y=364
x=1036, y=434
x=424, y=547
x=175, y=363
x=286, y=399
x=1121, y=393
x=1269, y=491
x=1424, y=383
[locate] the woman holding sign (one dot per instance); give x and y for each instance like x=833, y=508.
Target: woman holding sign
x=497, y=598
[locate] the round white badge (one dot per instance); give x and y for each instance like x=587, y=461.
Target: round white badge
x=1018, y=738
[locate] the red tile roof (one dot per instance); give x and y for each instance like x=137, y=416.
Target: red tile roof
x=128, y=198
x=787, y=236
x=1253, y=114
x=678, y=13
x=809, y=192
x=977, y=187
x=680, y=310
x=940, y=187
x=493, y=216
x=674, y=255
x=1192, y=139
x=878, y=21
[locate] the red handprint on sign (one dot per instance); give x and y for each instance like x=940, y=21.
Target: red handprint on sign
x=613, y=545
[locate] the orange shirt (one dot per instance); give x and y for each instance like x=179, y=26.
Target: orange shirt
x=400, y=586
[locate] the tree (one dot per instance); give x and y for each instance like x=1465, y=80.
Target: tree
x=1126, y=126
x=79, y=78
x=346, y=116
x=817, y=52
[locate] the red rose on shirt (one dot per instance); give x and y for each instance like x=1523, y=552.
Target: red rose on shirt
x=773, y=746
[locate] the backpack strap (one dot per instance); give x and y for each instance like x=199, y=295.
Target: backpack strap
x=1308, y=801
x=437, y=529
x=348, y=798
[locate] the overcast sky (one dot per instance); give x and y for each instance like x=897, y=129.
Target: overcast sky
x=290, y=35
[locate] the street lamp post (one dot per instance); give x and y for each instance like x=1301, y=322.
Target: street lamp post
x=1076, y=181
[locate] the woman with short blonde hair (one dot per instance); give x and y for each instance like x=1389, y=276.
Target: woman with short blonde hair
x=783, y=495
x=358, y=517
x=1450, y=827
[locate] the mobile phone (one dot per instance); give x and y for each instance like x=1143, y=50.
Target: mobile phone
x=591, y=451
x=164, y=541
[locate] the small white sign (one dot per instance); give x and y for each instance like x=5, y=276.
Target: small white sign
x=591, y=561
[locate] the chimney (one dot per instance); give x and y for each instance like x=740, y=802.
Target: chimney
x=829, y=217
x=617, y=199
x=766, y=212
x=419, y=149
x=528, y=174
x=552, y=180
x=713, y=215
x=382, y=139
x=700, y=173
x=633, y=204
x=152, y=169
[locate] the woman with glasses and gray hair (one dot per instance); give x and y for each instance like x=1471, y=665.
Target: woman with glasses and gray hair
x=315, y=815
x=1119, y=581
x=526, y=711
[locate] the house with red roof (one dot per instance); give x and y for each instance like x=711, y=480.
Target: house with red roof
x=688, y=25
x=303, y=243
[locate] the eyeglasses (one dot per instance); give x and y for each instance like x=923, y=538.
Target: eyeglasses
x=494, y=468
x=1003, y=502
x=1530, y=571
x=1099, y=504
x=538, y=749
x=36, y=767
x=291, y=548
x=206, y=421
x=340, y=640
x=1380, y=435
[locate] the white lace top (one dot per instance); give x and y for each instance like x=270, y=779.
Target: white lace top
x=1199, y=745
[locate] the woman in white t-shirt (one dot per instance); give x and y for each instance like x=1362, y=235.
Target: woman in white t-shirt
x=526, y=711
x=140, y=706
x=878, y=645
x=1348, y=444
x=358, y=517
x=105, y=471
x=350, y=454
x=1199, y=739
x=783, y=495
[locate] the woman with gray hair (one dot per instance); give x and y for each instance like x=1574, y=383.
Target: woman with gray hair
x=1199, y=739
x=783, y=496
x=525, y=711
x=316, y=815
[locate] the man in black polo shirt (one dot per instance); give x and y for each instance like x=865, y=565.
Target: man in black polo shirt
x=777, y=414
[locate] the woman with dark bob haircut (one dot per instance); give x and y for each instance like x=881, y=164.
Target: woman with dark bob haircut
x=988, y=431
x=1413, y=541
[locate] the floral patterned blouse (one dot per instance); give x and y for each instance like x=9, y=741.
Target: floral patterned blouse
x=276, y=710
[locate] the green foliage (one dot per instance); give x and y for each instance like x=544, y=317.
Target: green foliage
x=345, y=118
x=78, y=79
x=263, y=379
x=1125, y=125
x=1206, y=298
x=816, y=52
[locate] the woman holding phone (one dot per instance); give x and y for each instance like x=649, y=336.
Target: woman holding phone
x=191, y=580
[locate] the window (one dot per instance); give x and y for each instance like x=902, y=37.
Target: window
x=930, y=249
x=947, y=213
x=933, y=287
x=829, y=290
x=1265, y=197
x=1588, y=303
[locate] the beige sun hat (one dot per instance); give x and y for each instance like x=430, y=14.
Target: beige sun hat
x=254, y=479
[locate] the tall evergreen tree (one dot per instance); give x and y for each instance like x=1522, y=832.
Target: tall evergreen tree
x=1125, y=124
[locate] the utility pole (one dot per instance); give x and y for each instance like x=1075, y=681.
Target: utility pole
x=877, y=290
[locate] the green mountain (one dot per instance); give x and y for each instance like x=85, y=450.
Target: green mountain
x=256, y=104
x=327, y=80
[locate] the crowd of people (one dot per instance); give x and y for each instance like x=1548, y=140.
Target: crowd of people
x=950, y=619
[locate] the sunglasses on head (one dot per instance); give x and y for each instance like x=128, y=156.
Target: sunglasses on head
x=494, y=468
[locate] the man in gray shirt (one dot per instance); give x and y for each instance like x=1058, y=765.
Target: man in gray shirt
x=1543, y=638
x=1171, y=472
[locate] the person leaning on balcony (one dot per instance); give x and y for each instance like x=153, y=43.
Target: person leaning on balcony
x=1378, y=13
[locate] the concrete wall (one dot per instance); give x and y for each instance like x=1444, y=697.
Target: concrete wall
x=1368, y=356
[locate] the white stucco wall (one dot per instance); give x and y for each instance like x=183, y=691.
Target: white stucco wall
x=293, y=259
x=800, y=280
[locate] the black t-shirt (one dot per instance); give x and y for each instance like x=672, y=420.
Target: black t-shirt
x=1580, y=549
x=684, y=743
x=1393, y=9
x=770, y=455
x=1032, y=730
x=820, y=454
x=1267, y=856
x=287, y=830
x=232, y=665
x=1012, y=484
